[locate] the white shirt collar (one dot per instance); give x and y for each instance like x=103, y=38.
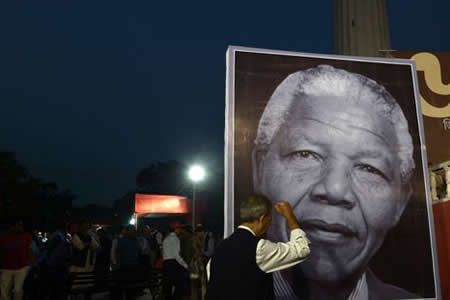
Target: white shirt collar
x=246, y=228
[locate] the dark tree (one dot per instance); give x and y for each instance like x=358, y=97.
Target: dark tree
x=22, y=195
x=167, y=177
x=123, y=208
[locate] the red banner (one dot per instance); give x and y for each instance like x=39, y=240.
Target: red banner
x=160, y=204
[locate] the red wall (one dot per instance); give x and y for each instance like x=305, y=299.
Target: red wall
x=441, y=213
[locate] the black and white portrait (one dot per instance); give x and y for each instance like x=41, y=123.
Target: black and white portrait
x=340, y=139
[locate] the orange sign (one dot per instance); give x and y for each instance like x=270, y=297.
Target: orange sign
x=160, y=204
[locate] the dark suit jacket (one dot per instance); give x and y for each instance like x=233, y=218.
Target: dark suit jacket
x=378, y=290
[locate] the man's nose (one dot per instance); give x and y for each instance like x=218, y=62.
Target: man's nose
x=334, y=186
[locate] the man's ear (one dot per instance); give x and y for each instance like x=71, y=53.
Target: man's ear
x=257, y=166
x=403, y=202
x=261, y=218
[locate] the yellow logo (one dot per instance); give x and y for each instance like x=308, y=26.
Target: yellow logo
x=429, y=64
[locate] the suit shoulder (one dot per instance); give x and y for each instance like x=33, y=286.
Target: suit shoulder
x=381, y=290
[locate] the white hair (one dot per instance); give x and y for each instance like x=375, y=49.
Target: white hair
x=325, y=80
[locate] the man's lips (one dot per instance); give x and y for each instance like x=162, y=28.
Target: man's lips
x=315, y=224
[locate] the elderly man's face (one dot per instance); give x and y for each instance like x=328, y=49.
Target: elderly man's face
x=335, y=161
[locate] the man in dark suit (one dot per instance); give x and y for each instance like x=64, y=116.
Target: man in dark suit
x=242, y=266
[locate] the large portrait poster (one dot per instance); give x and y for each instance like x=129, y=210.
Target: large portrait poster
x=341, y=139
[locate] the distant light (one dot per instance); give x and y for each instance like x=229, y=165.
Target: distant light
x=196, y=173
x=132, y=221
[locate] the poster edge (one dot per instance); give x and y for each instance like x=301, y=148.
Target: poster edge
x=429, y=204
x=229, y=143
x=386, y=60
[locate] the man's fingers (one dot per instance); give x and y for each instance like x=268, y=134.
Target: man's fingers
x=283, y=207
x=277, y=208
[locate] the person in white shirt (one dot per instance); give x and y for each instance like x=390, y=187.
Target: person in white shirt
x=209, y=244
x=114, y=247
x=174, y=267
x=242, y=265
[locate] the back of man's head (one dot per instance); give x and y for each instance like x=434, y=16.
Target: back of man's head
x=254, y=207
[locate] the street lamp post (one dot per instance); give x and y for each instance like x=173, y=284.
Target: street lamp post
x=196, y=174
x=193, y=206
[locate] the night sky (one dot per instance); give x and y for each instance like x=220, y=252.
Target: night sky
x=91, y=92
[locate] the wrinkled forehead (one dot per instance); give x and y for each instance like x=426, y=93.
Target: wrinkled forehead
x=346, y=86
x=348, y=114
x=338, y=84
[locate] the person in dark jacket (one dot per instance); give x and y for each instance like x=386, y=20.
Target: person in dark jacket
x=102, y=263
x=54, y=271
x=242, y=265
x=129, y=270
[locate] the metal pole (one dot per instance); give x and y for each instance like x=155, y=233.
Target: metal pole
x=193, y=207
x=194, y=273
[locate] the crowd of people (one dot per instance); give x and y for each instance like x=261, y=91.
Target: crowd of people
x=37, y=265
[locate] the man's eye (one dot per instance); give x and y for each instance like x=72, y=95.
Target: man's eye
x=304, y=154
x=372, y=170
